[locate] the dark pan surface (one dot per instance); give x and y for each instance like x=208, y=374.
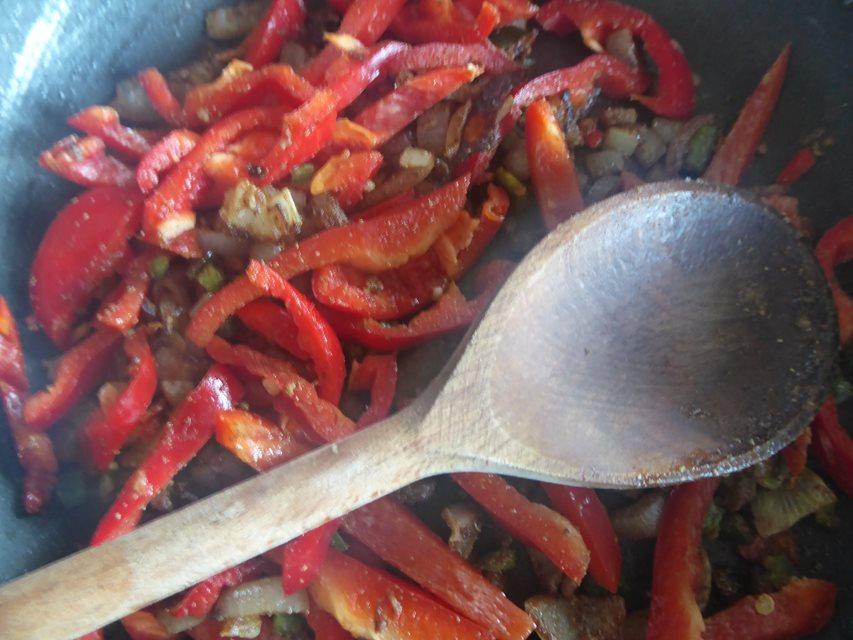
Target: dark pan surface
x=59, y=56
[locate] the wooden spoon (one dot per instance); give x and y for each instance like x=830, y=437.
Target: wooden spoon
x=670, y=333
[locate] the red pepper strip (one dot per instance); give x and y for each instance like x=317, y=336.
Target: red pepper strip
x=738, y=149
x=796, y=453
x=273, y=323
x=255, y=440
x=437, y=55
x=674, y=614
x=364, y=20
x=198, y=602
x=80, y=250
x=427, y=21
x=492, y=215
x=12, y=370
x=189, y=428
x=533, y=524
x=120, y=310
x=597, y=18
x=379, y=244
x=393, y=532
x=108, y=430
x=181, y=190
x=282, y=20
x=834, y=248
x=552, y=169
x=346, y=175
x=510, y=10
x=314, y=334
x=229, y=168
x=161, y=97
x=324, y=626
x=377, y=374
x=584, y=510
x=103, y=123
x=394, y=112
x=302, y=558
x=95, y=635
x=281, y=379
x=833, y=446
x=164, y=155
x=797, y=166
x=143, y=625
x=802, y=608
x=83, y=161
x=208, y=103
x=77, y=373
x=358, y=595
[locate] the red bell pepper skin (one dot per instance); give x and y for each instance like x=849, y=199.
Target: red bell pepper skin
x=584, y=510
x=164, y=155
x=510, y=10
x=833, y=446
x=796, y=453
x=443, y=21
x=302, y=558
x=143, y=625
x=492, y=215
x=377, y=374
x=79, y=251
x=273, y=323
x=799, y=165
x=103, y=123
x=391, y=531
x=394, y=112
x=208, y=103
x=77, y=373
x=438, y=55
x=597, y=18
x=378, y=244
x=255, y=440
x=315, y=336
x=198, y=602
x=83, y=161
x=161, y=97
x=738, y=149
x=552, y=169
x=359, y=597
x=283, y=20
x=802, y=608
x=674, y=614
x=12, y=370
x=346, y=175
x=834, y=248
x=109, y=428
x=189, y=428
x=120, y=310
x=533, y=524
x=324, y=626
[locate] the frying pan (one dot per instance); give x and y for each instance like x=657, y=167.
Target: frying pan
x=59, y=56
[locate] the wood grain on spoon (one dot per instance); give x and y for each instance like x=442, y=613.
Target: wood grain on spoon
x=670, y=333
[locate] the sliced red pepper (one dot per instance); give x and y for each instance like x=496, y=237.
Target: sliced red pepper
x=552, y=169
x=302, y=558
x=208, y=103
x=230, y=167
x=189, y=428
x=120, y=310
x=255, y=440
x=596, y=19
x=103, y=123
x=738, y=149
x=324, y=626
x=533, y=524
x=834, y=248
x=426, y=21
x=161, y=97
x=368, y=602
x=674, y=614
x=109, y=428
x=164, y=155
x=377, y=374
x=198, y=602
x=584, y=510
x=799, y=165
x=394, y=112
x=796, y=453
x=84, y=161
x=492, y=215
x=510, y=10
x=95, y=635
x=273, y=323
x=283, y=20
x=346, y=175
x=378, y=244
x=833, y=446
x=802, y=608
x=12, y=370
x=79, y=251
x=393, y=532
x=77, y=373
x=314, y=334
x=437, y=55
x=144, y=625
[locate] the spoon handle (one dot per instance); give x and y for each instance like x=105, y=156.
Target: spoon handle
x=99, y=585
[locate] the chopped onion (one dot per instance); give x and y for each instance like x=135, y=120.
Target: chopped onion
x=621, y=139
x=242, y=627
x=346, y=43
x=395, y=184
x=264, y=250
x=260, y=597
x=432, y=128
x=603, y=187
x=175, y=625
x=619, y=117
x=639, y=521
x=294, y=54
x=776, y=511
x=261, y=213
x=607, y=162
x=620, y=44
x=223, y=244
x=414, y=158
x=677, y=151
x=230, y=23
x=515, y=156
x=651, y=147
x=455, y=127
x=578, y=617
x=666, y=129
x=465, y=526
x=133, y=105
